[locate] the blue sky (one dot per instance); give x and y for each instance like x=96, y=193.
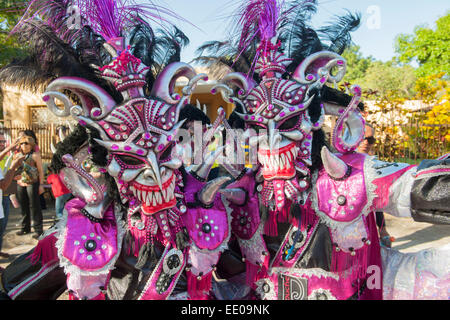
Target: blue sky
x=382, y=20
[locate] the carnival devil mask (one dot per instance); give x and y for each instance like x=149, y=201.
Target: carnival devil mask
x=139, y=133
x=279, y=107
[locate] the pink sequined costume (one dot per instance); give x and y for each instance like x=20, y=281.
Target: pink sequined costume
x=316, y=205
x=130, y=220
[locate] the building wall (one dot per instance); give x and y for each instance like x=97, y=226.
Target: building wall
x=17, y=104
x=213, y=102
x=398, y=116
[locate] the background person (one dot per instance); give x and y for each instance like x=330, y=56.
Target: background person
x=37, y=150
x=60, y=192
x=5, y=181
x=5, y=166
x=367, y=146
x=30, y=185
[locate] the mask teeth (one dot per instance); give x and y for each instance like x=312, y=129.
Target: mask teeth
x=149, y=197
x=294, y=152
x=289, y=157
x=144, y=195
x=134, y=191
x=169, y=192
x=156, y=197
x=279, y=161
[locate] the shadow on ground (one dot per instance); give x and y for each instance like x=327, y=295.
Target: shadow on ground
x=423, y=236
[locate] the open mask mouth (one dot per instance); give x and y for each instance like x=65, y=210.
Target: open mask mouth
x=278, y=164
x=152, y=198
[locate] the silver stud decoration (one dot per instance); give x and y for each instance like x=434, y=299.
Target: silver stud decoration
x=341, y=200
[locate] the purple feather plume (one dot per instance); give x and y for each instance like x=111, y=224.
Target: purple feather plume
x=258, y=22
x=259, y=19
x=112, y=18
x=108, y=18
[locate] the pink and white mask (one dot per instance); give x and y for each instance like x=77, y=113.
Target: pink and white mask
x=277, y=109
x=139, y=133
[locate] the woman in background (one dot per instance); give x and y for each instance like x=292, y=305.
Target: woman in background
x=30, y=184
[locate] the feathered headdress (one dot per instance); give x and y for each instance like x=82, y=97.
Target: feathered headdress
x=258, y=22
x=112, y=72
x=73, y=38
x=273, y=40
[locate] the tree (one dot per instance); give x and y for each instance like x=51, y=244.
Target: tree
x=435, y=90
x=10, y=48
x=427, y=47
x=383, y=78
x=357, y=65
x=389, y=79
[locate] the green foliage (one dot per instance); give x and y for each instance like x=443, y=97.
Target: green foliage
x=404, y=134
x=427, y=47
x=357, y=64
x=10, y=48
x=383, y=78
x=390, y=79
x=435, y=90
x=414, y=133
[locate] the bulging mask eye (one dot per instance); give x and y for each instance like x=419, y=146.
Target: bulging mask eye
x=289, y=124
x=258, y=129
x=166, y=153
x=130, y=160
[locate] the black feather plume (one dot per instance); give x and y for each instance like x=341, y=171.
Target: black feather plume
x=168, y=47
x=298, y=39
x=220, y=56
x=338, y=33
x=56, y=49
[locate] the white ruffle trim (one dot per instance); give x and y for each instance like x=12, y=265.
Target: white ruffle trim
x=316, y=272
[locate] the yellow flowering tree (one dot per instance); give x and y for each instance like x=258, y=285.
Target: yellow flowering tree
x=409, y=130
x=431, y=137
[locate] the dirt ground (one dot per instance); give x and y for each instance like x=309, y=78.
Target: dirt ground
x=414, y=236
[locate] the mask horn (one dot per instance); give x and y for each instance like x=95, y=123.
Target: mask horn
x=335, y=167
x=96, y=103
x=164, y=86
x=317, y=68
x=71, y=127
x=236, y=196
x=62, y=135
x=241, y=80
x=348, y=131
x=52, y=147
x=209, y=191
x=238, y=79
